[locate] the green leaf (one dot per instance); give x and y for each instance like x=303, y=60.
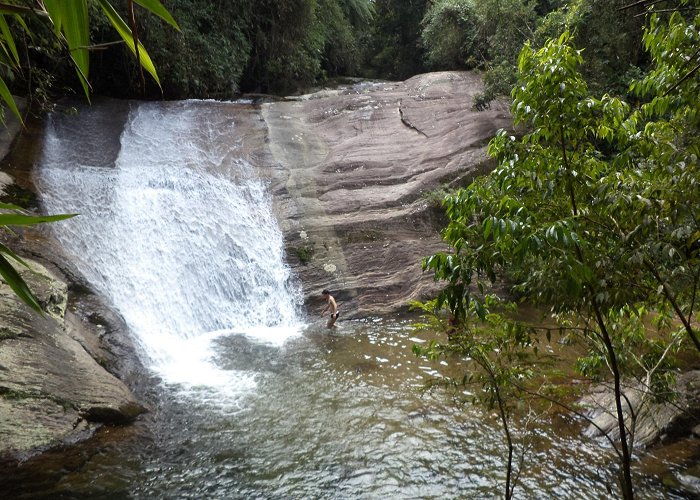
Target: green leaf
x=487, y=227
x=125, y=32
x=18, y=285
x=30, y=220
x=9, y=206
x=7, y=251
x=9, y=40
x=157, y=8
x=9, y=100
x=70, y=17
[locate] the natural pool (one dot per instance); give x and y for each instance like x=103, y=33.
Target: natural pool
x=331, y=415
x=248, y=398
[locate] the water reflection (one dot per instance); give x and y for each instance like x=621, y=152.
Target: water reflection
x=333, y=415
x=342, y=415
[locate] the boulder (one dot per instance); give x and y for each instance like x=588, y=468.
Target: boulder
x=656, y=420
x=52, y=391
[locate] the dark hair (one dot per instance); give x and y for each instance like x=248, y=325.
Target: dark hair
x=325, y=292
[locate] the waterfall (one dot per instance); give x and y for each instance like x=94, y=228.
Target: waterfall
x=175, y=229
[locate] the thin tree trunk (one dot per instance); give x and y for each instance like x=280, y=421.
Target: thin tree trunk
x=626, y=480
x=509, y=440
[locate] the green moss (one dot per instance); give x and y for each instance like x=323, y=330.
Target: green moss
x=361, y=236
x=434, y=198
x=15, y=395
x=6, y=333
x=304, y=253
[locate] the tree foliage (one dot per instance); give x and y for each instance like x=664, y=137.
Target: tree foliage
x=205, y=58
x=69, y=22
x=610, y=36
x=502, y=357
x=450, y=33
x=395, y=48
x=221, y=48
x=589, y=214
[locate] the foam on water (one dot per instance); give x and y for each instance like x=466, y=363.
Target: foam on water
x=177, y=231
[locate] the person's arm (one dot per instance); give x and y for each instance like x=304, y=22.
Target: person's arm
x=325, y=309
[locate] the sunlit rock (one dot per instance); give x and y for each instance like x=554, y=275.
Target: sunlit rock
x=358, y=169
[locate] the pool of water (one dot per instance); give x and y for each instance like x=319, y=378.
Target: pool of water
x=339, y=414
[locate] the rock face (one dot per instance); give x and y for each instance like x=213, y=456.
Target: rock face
x=51, y=390
x=654, y=420
x=352, y=172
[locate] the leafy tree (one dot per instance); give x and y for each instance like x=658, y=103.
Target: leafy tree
x=206, y=58
x=502, y=355
x=504, y=26
x=590, y=215
x=292, y=42
x=610, y=35
x=463, y=34
x=396, y=51
x=668, y=147
x=342, y=25
x=450, y=34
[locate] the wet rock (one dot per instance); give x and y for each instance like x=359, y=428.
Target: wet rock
x=686, y=482
x=51, y=390
x=655, y=420
x=353, y=171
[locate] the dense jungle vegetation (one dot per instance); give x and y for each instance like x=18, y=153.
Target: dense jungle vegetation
x=226, y=47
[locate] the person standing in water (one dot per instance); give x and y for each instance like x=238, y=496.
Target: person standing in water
x=330, y=304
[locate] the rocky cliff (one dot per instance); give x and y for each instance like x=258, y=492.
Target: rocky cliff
x=353, y=171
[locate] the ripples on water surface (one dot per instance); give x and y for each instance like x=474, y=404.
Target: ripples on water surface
x=330, y=415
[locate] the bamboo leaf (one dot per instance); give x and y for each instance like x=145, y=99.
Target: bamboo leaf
x=30, y=220
x=55, y=12
x=70, y=17
x=7, y=251
x=9, y=40
x=157, y=8
x=15, y=281
x=19, y=9
x=125, y=32
x=9, y=100
x=9, y=206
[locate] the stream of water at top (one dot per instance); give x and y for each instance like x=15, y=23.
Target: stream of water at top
x=177, y=232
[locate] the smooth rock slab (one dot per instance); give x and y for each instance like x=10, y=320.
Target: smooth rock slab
x=352, y=170
x=51, y=390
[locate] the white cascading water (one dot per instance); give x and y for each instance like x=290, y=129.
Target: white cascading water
x=177, y=232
